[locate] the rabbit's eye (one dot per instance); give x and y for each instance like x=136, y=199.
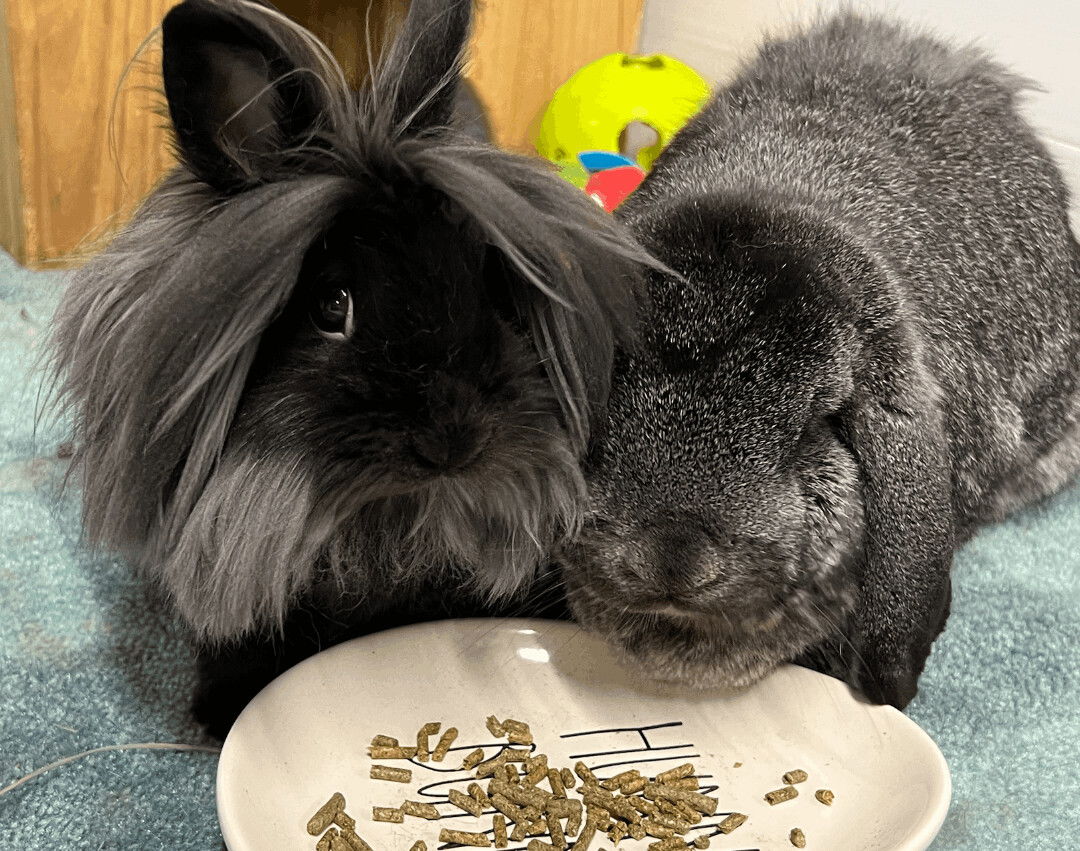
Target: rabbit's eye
x=332, y=313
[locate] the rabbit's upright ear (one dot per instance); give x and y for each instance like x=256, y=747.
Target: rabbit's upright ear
x=239, y=86
x=897, y=435
x=422, y=69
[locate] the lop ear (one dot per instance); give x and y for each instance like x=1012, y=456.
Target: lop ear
x=238, y=92
x=896, y=432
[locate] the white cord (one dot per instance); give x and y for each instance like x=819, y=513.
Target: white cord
x=144, y=746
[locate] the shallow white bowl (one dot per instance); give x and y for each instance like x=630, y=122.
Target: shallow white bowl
x=306, y=736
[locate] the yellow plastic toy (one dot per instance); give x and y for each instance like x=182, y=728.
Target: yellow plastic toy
x=590, y=111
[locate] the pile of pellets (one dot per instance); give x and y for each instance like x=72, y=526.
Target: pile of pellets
x=665, y=807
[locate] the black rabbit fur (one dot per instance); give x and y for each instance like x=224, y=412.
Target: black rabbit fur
x=348, y=368
x=871, y=348
x=339, y=371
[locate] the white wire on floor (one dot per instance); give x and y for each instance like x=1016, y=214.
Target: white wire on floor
x=137, y=746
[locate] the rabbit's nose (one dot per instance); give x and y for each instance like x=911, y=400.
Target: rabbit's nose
x=454, y=431
x=447, y=447
x=681, y=559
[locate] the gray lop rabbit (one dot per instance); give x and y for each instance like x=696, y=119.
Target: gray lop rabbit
x=868, y=349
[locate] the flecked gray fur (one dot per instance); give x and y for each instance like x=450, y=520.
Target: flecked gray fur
x=875, y=349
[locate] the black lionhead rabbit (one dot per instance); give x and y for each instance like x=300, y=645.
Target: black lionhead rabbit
x=339, y=371
x=870, y=350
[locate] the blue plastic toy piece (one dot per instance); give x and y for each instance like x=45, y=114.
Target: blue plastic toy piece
x=595, y=161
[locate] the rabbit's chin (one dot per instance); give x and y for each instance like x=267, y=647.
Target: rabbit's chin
x=706, y=651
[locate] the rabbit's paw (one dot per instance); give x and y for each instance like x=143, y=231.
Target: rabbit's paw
x=217, y=703
x=894, y=686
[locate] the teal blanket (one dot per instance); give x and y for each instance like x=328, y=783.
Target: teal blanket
x=87, y=661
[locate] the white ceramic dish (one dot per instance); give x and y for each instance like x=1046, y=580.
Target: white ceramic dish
x=306, y=735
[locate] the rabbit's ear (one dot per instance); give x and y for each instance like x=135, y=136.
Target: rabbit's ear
x=422, y=69
x=236, y=96
x=897, y=436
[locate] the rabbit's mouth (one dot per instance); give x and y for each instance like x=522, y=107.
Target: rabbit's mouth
x=706, y=648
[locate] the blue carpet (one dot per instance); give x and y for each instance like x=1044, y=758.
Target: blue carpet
x=86, y=661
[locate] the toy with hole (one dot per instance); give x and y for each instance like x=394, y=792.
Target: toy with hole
x=621, y=103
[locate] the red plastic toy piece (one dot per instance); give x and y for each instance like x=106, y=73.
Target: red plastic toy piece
x=609, y=188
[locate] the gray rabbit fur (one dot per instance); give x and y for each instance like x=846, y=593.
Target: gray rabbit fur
x=870, y=349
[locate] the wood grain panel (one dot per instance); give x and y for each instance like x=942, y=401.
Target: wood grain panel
x=525, y=49
x=11, y=198
x=342, y=25
x=68, y=58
